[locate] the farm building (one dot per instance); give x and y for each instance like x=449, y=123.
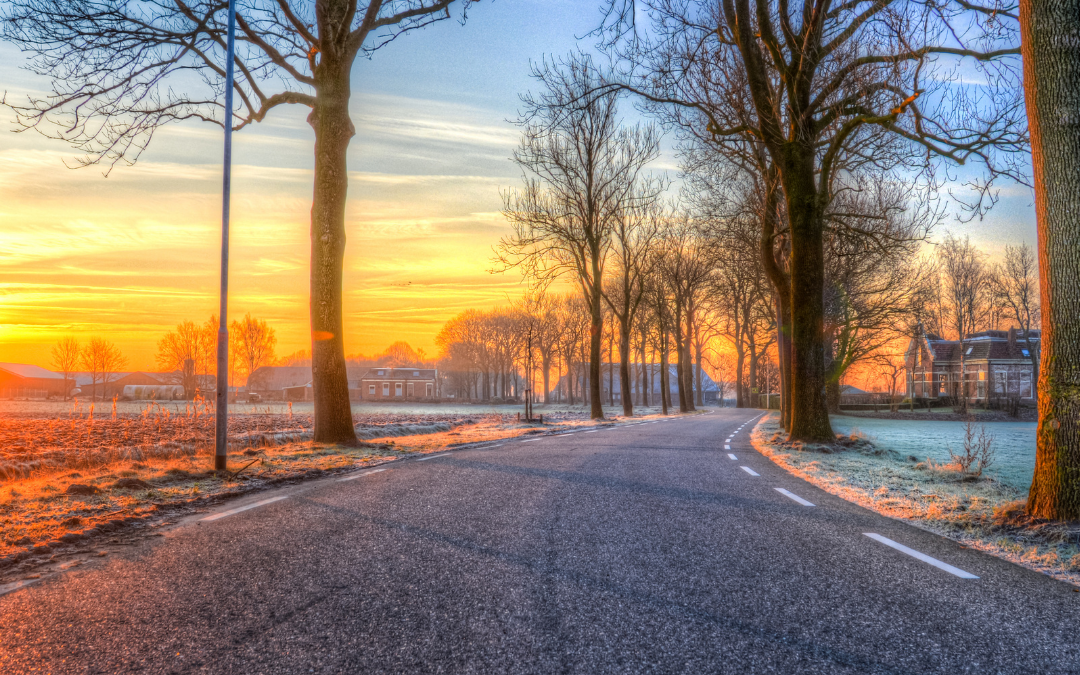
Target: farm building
x=378, y=384
x=21, y=380
x=997, y=365
x=114, y=386
x=293, y=383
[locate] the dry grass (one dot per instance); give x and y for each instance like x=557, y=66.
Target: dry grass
x=978, y=512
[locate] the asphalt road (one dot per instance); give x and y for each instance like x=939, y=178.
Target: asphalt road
x=637, y=549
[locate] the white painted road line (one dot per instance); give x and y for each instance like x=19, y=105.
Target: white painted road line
x=244, y=508
x=921, y=556
x=727, y=440
x=441, y=454
x=793, y=497
x=530, y=440
x=592, y=432
x=749, y=470
x=727, y=447
x=731, y=456
x=368, y=473
x=14, y=586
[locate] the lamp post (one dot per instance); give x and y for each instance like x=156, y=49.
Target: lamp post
x=221, y=439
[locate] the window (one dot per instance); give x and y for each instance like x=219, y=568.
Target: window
x=409, y=389
x=397, y=389
x=1026, y=353
x=416, y=373
x=382, y=372
x=371, y=389
x=968, y=352
x=385, y=388
x=430, y=390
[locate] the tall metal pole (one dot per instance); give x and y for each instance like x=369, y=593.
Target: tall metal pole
x=221, y=440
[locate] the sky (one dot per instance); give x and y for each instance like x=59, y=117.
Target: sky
x=129, y=256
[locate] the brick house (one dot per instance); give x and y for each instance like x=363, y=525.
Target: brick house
x=997, y=365
x=385, y=383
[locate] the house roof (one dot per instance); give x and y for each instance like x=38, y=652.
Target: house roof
x=27, y=370
x=992, y=345
x=387, y=373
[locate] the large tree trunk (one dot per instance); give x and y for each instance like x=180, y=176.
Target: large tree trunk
x=596, y=403
x=740, y=360
x=545, y=360
x=697, y=373
x=646, y=380
x=680, y=357
x=809, y=414
x=333, y=131
x=1049, y=30
x=624, y=368
x=783, y=349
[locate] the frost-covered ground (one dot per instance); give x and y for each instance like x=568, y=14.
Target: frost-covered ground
x=1014, y=442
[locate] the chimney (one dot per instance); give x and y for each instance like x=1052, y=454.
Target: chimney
x=1012, y=340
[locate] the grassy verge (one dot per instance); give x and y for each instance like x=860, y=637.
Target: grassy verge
x=980, y=513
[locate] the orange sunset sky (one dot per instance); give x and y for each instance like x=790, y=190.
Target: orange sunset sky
x=129, y=256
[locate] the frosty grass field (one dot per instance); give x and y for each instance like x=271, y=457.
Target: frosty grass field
x=1014, y=441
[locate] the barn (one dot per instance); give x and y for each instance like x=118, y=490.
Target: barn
x=21, y=380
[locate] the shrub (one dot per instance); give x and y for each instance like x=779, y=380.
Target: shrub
x=978, y=453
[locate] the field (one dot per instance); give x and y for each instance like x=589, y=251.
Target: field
x=1014, y=442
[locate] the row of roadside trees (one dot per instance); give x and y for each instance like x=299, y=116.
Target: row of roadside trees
x=805, y=100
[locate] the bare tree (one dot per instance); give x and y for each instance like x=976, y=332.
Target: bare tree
x=581, y=169
x=1015, y=285
x=822, y=77
x=183, y=351
x=66, y=356
x=1052, y=82
x=966, y=281
x=121, y=70
x=633, y=237
x=102, y=359
x=253, y=343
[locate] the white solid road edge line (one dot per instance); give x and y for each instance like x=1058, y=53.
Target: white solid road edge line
x=231, y=512
x=956, y=571
x=731, y=456
x=359, y=475
x=793, y=497
x=749, y=470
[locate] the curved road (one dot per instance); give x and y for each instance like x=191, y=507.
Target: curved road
x=641, y=548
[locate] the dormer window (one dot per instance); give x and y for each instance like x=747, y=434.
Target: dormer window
x=382, y=372
x=1026, y=353
x=416, y=373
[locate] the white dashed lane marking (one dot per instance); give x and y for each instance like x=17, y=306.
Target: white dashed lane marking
x=731, y=456
x=727, y=447
x=230, y=512
x=749, y=470
x=530, y=440
x=361, y=475
x=441, y=454
x=793, y=497
x=956, y=571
